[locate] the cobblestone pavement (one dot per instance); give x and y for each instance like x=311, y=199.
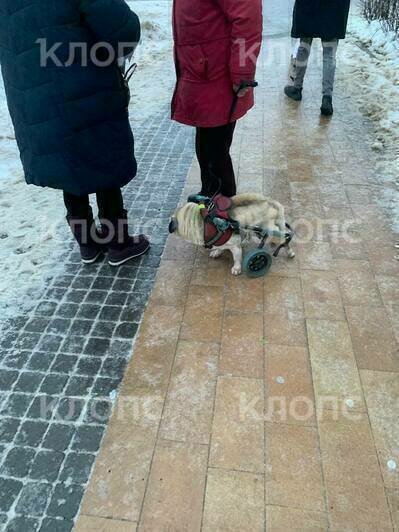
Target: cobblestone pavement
x=269, y=404
x=62, y=363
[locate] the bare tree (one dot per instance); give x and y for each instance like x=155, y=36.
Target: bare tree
x=386, y=11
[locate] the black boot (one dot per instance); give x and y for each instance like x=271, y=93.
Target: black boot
x=121, y=246
x=327, y=106
x=293, y=93
x=91, y=248
x=197, y=198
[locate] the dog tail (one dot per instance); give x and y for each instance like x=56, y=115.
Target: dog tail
x=243, y=200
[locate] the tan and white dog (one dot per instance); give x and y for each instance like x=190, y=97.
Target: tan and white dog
x=249, y=210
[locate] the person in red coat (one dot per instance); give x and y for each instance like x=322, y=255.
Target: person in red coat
x=217, y=43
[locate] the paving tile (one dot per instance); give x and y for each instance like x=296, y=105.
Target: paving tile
x=171, y=285
x=65, y=501
x=211, y=272
x=284, y=266
x=374, y=343
x=18, y=462
x=241, y=351
x=389, y=288
x=8, y=429
x=358, y=285
x=393, y=500
x=355, y=492
x=315, y=256
x=341, y=249
x=188, y=409
x=146, y=380
x=335, y=374
x=282, y=292
x=321, y=295
x=160, y=323
x=382, y=260
x=46, y=465
x=293, y=467
x=381, y=390
x=237, y=432
x=177, y=249
x=286, y=327
x=176, y=486
x=98, y=524
x=31, y=433
x=289, y=388
x=282, y=519
x=118, y=481
x=202, y=320
x=234, y=501
x=52, y=524
x=33, y=498
x=244, y=294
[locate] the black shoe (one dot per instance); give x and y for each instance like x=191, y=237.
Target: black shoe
x=133, y=247
x=327, y=106
x=293, y=93
x=90, y=250
x=198, y=198
x=121, y=246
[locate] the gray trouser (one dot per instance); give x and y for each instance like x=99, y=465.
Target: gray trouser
x=329, y=64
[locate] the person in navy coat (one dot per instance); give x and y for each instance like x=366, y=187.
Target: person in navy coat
x=68, y=101
x=326, y=20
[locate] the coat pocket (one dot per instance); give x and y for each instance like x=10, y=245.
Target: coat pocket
x=193, y=64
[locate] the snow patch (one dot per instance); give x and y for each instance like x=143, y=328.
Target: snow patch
x=371, y=69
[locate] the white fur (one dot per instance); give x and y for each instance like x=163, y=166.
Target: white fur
x=248, y=210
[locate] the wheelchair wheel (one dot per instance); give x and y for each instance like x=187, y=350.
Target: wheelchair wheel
x=257, y=263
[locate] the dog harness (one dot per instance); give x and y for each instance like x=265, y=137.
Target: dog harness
x=218, y=226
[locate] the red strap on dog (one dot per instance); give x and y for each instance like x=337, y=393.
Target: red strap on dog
x=219, y=208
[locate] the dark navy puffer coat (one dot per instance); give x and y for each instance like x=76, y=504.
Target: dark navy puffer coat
x=71, y=122
x=326, y=19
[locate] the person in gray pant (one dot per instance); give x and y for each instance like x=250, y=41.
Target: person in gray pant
x=318, y=19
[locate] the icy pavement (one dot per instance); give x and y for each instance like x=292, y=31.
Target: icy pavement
x=67, y=331
x=270, y=404
x=61, y=363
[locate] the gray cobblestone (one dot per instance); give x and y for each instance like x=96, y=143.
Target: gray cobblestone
x=60, y=363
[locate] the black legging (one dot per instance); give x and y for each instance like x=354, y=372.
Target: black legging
x=213, y=152
x=110, y=204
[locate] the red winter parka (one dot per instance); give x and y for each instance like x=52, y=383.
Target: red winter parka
x=217, y=43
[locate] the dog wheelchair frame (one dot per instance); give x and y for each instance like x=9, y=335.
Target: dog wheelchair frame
x=219, y=227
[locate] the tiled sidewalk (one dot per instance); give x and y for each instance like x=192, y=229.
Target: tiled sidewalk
x=215, y=428
x=62, y=363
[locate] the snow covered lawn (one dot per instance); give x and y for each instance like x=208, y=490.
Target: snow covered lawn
x=371, y=63
x=32, y=226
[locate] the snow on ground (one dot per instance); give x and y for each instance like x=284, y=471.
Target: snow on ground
x=371, y=66
x=369, y=69
x=32, y=226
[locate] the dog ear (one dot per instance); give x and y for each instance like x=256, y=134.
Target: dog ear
x=173, y=225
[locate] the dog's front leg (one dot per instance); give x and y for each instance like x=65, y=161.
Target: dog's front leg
x=215, y=253
x=237, y=257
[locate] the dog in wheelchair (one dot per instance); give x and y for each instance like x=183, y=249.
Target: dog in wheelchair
x=227, y=224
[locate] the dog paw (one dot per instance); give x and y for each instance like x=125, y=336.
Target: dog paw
x=291, y=254
x=236, y=270
x=214, y=254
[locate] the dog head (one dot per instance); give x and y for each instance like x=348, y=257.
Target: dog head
x=187, y=223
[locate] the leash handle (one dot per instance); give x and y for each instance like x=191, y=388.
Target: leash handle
x=244, y=84
x=129, y=72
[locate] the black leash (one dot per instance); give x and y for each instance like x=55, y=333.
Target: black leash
x=243, y=85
